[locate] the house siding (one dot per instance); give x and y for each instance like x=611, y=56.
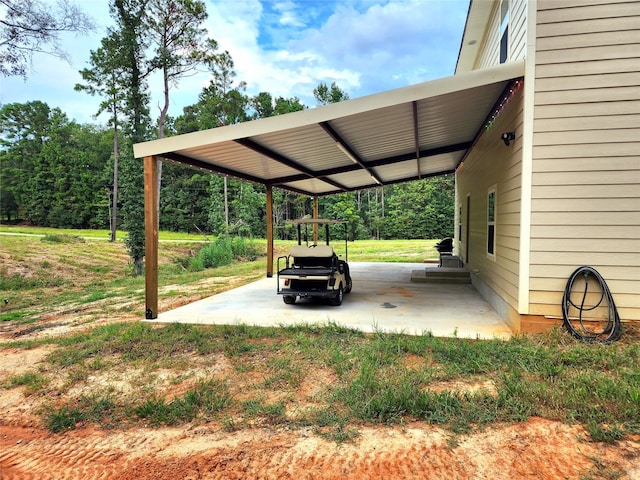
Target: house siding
x=518, y=30
x=492, y=164
x=585, y=206
x=489, y=54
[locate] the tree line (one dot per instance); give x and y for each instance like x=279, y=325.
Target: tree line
x=57, y=172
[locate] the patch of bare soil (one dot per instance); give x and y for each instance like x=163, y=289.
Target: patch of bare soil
x=536, y=449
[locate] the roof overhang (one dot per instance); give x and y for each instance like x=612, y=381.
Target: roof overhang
x=474, y=33
x=396, y=136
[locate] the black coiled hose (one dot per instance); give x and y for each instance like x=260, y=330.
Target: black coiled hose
x=576, y=314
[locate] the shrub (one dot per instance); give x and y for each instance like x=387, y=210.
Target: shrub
x=62, y=238
x=196, y=264
x=222, y=252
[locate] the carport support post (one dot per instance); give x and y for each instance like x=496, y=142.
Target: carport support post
x=269, y=231
x=151, y=236
x=315, y=225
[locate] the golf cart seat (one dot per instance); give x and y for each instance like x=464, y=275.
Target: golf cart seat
x=314, y=256
x=317, y=251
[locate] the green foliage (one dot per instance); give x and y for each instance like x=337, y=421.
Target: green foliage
x=264, y=105
x=207, y=398
x=215, y=254
x=325, y=95
x=33, y=381
x=62, y=238
x=245, y=205
x=273, y=412
x=98, y=408
x=222, y=252
x=135, y=240
x=184, y=201
x=420, y=209
x=17, y=282
x=133, y=209
x=51, y=169
x=8, y=317
x=65, y=418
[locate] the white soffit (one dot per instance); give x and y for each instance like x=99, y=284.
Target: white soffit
x=395, y=136
x=473, y=36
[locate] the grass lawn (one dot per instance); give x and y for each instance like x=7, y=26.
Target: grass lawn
x=108, y=368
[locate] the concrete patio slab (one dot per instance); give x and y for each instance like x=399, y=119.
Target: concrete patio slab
x=383, y=299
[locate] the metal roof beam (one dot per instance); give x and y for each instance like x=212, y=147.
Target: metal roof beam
x=329, y=171
x=209, y=167
x=457, y=147
x=393, y=182
x=377, y=163
x=348, y=151
x=256, y=147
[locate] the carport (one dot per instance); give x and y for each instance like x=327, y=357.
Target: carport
x=397, y=136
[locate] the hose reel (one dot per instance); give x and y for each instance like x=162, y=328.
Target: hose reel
x=588, y=310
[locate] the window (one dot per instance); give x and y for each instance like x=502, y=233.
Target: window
x=460, y=224
x=491, y=223
x=504, y=31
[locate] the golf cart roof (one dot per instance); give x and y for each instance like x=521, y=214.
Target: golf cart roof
x=318, y=221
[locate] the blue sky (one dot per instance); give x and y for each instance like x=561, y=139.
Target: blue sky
x=284, y=47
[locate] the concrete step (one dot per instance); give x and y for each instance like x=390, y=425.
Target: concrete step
x=441, y=275
x=446, y=272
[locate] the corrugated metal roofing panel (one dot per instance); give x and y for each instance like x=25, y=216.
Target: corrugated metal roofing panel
x=354, y=180
x=379, y=134
x=398, y=171
x=234, y=156
x=440, y=163
x=308, y=145
x=313, y=186
x=350, y=143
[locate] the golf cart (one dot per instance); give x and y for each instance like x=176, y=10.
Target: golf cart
x=313, y=270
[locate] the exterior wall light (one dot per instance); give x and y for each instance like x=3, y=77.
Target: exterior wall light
x=507, y=137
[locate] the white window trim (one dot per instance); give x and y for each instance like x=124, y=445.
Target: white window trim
x=460, y=225
x=505, y=20
x=492, y=223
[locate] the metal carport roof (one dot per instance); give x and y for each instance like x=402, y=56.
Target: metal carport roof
x=395, y=136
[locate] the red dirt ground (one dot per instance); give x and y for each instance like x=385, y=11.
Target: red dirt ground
x=537, y=449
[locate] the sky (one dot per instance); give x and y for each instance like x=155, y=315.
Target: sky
x=284, y=47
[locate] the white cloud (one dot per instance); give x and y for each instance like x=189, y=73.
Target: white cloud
x=285, y=48
x=288, y=14
x=391, y=45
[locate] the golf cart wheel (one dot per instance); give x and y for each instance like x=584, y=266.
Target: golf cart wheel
x=349, y=285
x=289, y=299
x=344, y=268
x=337, y=300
